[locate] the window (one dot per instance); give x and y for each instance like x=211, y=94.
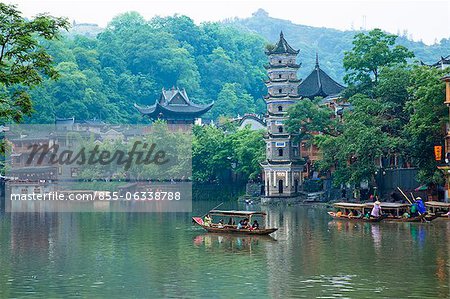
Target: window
x=279, y=61
x=280, y=152
x=279, y=122
x=280, y=144
x=280, y=108
x=280, y=90
x=280, y=129
x=279, y=76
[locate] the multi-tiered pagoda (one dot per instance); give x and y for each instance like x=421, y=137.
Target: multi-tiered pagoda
x=283, y=167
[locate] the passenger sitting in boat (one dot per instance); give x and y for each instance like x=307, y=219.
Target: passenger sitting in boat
x=231, y=222
x=376, y=211
x=448, y=214
x=339, y=214
x=405, y=215
x=414, y=210
x=355, y=214
x=255, y=225
x=240, y=224
x=208, y=220
x=246, y=223
x=220, y=224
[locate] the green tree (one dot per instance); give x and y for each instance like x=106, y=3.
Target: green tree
x=24, y=62
x=428, y=117
x=306, y=118
x=370, y=53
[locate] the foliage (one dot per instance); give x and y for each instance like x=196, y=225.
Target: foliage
x=330, y=44
x=428, y=118
x=400, y=114
x=133, y=59
x=370, y=53
x=307, y=117
x=24, y=62
x=217, y=152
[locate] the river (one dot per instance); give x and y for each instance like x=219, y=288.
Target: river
x=126, y=255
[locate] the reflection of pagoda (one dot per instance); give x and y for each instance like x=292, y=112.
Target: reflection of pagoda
x=175, y=107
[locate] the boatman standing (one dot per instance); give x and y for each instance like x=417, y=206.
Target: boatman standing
x=376, y=210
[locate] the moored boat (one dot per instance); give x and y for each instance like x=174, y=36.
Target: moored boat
x=395, y=212
x=440, y=209
x=352, y=212
x=232, y=228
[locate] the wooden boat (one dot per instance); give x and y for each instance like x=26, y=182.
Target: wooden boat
x=440, y=209
x=346, y=207
x=232, y=229
x=394, y=212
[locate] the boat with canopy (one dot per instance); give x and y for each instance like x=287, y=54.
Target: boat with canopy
x=352, y=212
x=230, y=225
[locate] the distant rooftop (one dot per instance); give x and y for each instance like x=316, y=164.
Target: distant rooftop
x=319, y=84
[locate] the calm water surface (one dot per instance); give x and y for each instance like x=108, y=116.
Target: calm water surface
x=162, y=255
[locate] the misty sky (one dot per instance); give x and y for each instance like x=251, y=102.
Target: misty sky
x=424, y=20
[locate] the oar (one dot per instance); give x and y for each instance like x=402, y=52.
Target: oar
x=404, y=195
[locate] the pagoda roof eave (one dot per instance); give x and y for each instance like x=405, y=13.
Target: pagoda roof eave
x=193, y=110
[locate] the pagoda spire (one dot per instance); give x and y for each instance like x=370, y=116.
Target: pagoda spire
x=317, y=60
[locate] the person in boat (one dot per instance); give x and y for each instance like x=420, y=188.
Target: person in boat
x=421, y=206
x=376, y=210
x=231, y=222
x=406, y=215
x=240, y=224
x=220, y=224
x=414, y=210
x=339, y=214
x=208, y=220
x=255, y=224
x=246, y=224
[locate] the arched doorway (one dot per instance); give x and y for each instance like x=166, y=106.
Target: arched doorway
x=296, y=185
x=280, y=186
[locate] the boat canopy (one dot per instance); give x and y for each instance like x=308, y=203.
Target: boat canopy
x=437, y=204
x=237, y=213
x=349, y=205
x=389, y=205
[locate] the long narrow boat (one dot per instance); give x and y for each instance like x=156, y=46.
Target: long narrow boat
x=232, y=229
x=440, y=209
x=394, y=213
x=347, y=207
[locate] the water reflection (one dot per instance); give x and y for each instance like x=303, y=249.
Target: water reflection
x=163, y=255
x=231, y=243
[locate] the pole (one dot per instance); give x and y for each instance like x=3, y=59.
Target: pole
x=213, y=209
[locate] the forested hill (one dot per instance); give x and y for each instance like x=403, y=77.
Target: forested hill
x=329, y=43
x=103, y=72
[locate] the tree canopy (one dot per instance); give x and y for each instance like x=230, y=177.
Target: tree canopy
x=24, y=61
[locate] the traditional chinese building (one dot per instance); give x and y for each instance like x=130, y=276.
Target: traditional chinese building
x=283, y=167
x=442, y=63
x=446, y=167
x=175, y=107
x=319, y=84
